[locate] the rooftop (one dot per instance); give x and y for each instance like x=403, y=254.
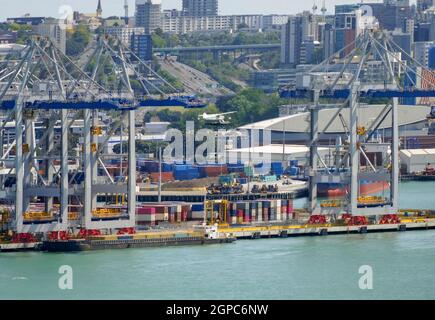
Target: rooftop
x=300, y=122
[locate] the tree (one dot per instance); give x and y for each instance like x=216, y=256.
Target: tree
x=251, y=105
x=142, y=147
x=78, y=40
x=158, y=42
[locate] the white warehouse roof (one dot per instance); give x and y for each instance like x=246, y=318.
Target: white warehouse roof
x=300, y=123
x=418, y=152
x=291, y=152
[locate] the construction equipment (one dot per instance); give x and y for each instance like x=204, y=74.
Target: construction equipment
x=265, y=189
x=37, y=216
x=218, y=216
x=215, y=189
x=317, y=219
x=390, y=219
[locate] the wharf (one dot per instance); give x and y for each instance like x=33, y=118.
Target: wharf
x=11, y=247
x=257, y=232
x=417, y=177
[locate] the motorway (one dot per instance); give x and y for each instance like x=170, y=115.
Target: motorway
x=194, y=81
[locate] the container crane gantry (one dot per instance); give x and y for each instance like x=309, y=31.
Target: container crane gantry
x=45, y=84
x=346, y=77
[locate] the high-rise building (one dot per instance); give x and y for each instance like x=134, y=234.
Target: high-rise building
x=345, y=32
x=142, y=46
x=53, y=29
x=328, y=41
x=404, y=41
x=421, y=52
x=200, y=8
x=124, y=33
x=422, y=31
x=300, y=29
x=291, y=40
x=148, y=15
x=391, y=14
x=346, y=8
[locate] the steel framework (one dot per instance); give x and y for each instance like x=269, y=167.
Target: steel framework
x=53, y=179
x=348, y=78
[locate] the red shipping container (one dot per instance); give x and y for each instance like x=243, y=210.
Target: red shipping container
x=146, y=210
x=166, y=177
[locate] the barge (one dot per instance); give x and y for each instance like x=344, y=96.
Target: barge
x=202, y=235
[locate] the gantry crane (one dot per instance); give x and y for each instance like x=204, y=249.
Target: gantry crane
x=347, y=77
x=47, y=86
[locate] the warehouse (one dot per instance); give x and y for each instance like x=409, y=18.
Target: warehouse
x=416, y=160
x=294, y=129
x=277, y=153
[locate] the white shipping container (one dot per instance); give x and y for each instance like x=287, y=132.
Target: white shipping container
x=146, y=218
x=278, y=209
x=197, y=215
x=259, y=212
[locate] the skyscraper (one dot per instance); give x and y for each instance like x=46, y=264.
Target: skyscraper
x=291, y=40
x=297, y=37
x=148, y=15
x=200, y=8
x=55, y=30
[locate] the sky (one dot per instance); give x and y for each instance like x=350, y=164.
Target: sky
x=51, y=8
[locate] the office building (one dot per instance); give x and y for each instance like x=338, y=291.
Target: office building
x=142, y=46
x=328, y=41
x=55, y=30
x=148, y=15
x=31, y=21
x=291, y=40
x=345, y=32
x=124, y=33
x=421, y=52
x=200, y=8
x=299, y=29
x=404, y=41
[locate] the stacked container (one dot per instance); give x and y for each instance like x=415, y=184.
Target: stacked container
x=212, y=170
x=185, y=172
x=278, y=210
x=259, y=211
x=146, y=215
x=276, y=168
x=266, y=210
x=166, y=177
x=236, y=168
x=197, y=212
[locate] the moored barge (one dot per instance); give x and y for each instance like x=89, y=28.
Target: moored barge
x=209, y=235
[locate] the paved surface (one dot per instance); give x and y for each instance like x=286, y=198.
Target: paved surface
x=194, y=81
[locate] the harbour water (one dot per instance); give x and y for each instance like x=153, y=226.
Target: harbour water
x=403, y=267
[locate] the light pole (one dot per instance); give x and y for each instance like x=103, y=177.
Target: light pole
x=160, y=175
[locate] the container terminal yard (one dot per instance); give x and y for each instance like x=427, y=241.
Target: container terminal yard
x=60, y=194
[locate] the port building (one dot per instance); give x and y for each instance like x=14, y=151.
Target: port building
x=279, y=153
x=294, y=129
x=416, y=160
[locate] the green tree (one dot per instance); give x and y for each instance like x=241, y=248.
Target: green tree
x=78, y=40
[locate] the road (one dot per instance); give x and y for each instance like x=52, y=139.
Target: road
x=194, y=81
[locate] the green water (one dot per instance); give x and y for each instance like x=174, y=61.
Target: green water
x=294, y=268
